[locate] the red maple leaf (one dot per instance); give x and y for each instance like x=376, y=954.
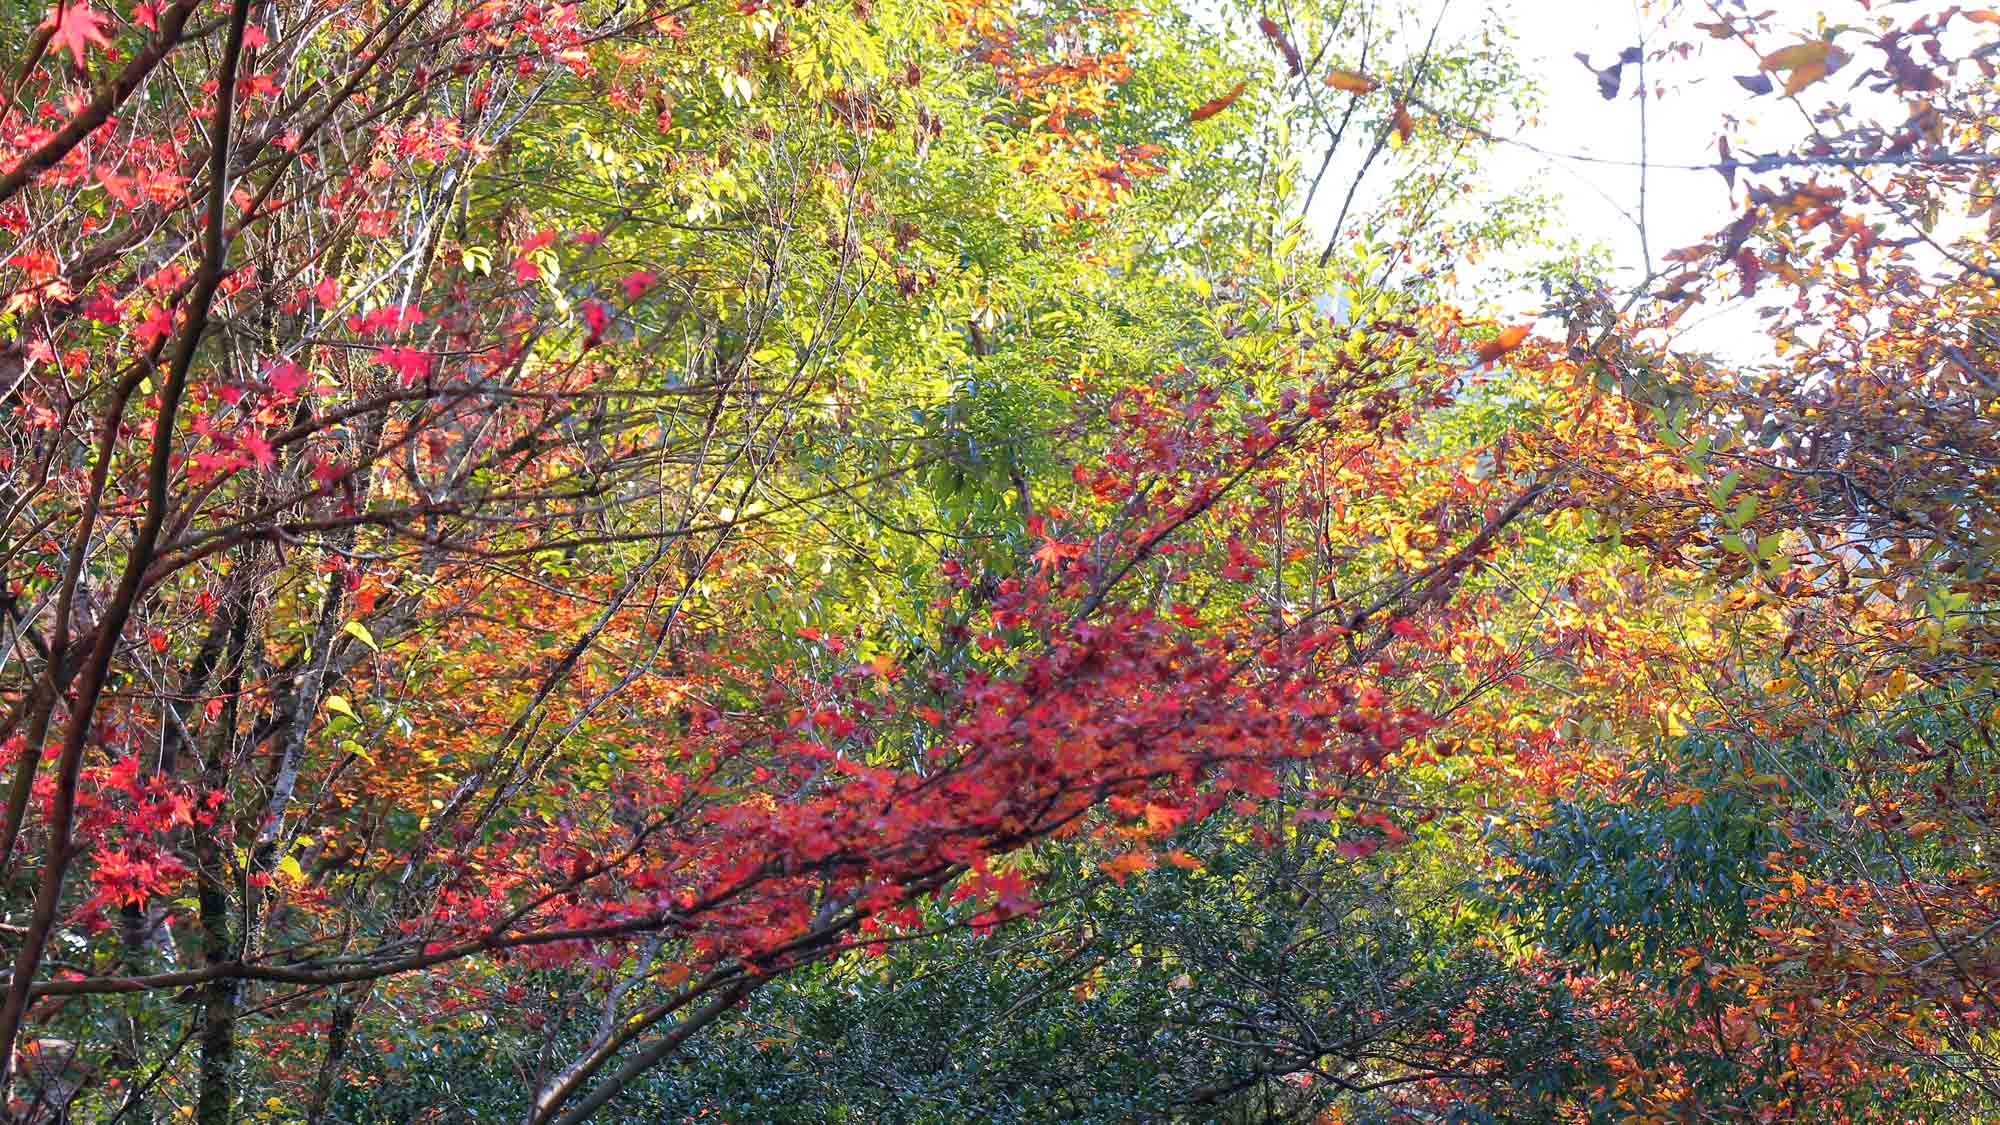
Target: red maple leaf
x=637, y=282
x=329, y=473
x=409, y=363
x=76, y=26
x=104, y=307
x=1053, y=552
x=259, y=449
x=286, y=378
x=157, y=325
x=598, y=317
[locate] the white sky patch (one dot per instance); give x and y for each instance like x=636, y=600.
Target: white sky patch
x=1592, y=149
x=1589, y=151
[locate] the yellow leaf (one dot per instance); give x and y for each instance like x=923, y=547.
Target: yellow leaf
x=1812, y=53
x=339, y=705
x=360, y=633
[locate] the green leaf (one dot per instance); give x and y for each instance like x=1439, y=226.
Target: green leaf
x=1725, y=488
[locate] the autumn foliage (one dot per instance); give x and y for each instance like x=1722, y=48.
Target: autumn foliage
x=561, y=559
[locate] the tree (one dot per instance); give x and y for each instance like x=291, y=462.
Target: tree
x=1836, y=488
x=411, y=464
x=536, y=534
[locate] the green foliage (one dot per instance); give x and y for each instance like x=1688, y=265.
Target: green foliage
x=1632, y=882
x=1254, y=989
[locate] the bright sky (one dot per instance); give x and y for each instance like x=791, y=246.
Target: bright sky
x=1601, y=191
x=1586, y=150
x=1597, y=172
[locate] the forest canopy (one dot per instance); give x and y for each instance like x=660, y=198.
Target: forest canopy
x=963, y=561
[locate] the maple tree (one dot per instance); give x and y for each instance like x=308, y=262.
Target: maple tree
x=536, y=534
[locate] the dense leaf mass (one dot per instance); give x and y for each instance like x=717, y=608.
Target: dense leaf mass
x=977, y=560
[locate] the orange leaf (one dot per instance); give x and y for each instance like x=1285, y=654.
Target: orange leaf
x=1988, y=16
x=1505, y=342
x=1804, y=76
x=1163, y=818
x=1352, y=81
x=1404, y=126
x=1278, y=39
x=1209, y=109
x=1129, y=863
